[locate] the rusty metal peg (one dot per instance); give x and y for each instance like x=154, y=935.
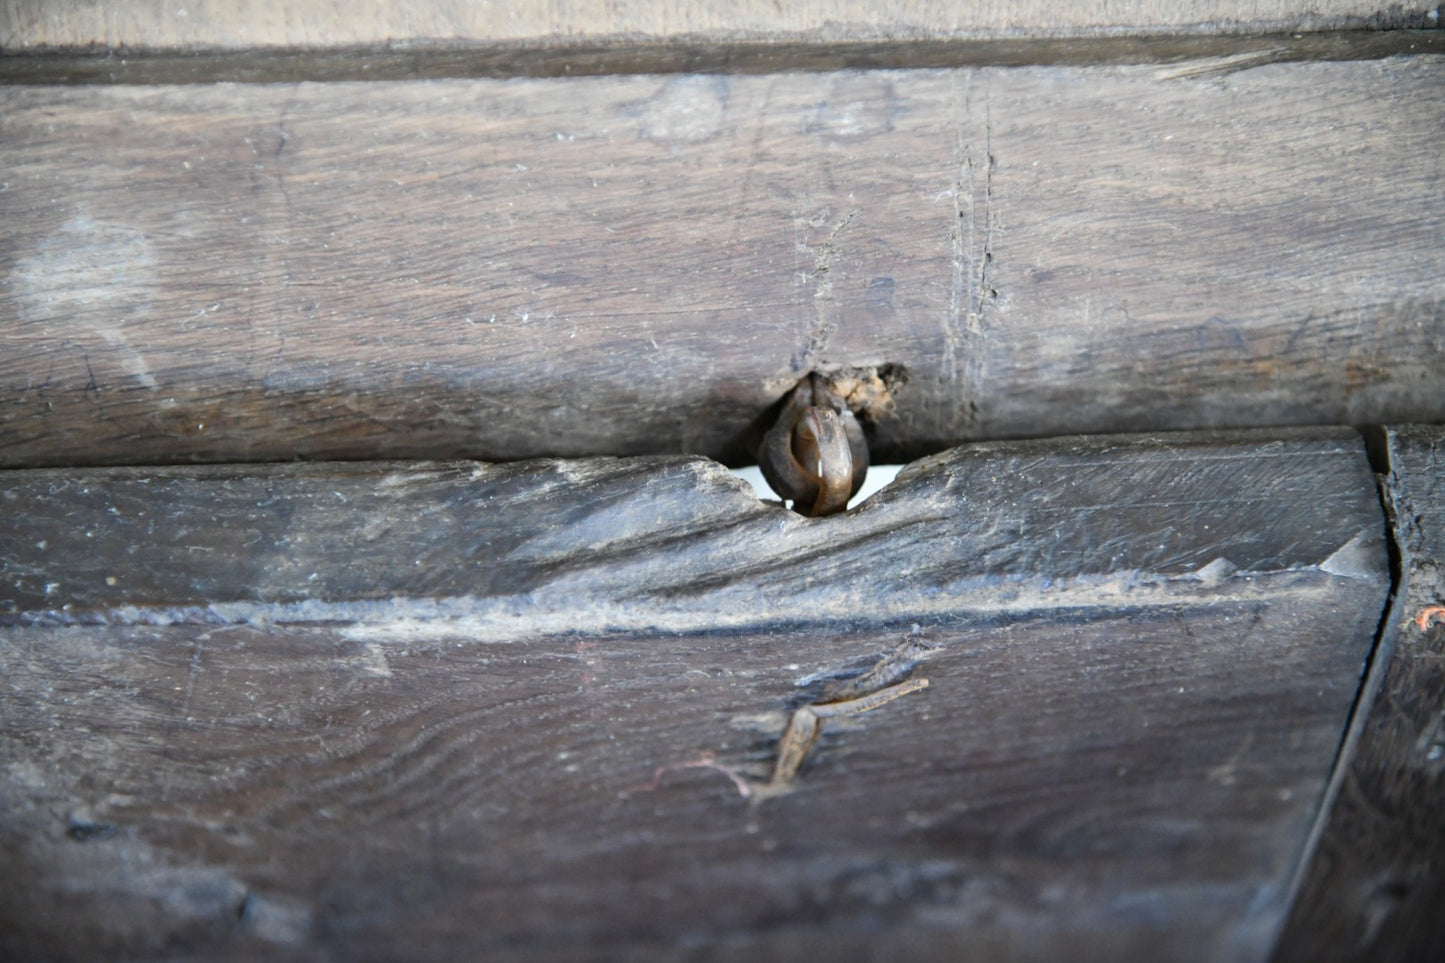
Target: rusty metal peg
x=816, y=455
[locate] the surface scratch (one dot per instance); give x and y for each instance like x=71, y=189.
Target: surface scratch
x=952, y=329
x=972, y=254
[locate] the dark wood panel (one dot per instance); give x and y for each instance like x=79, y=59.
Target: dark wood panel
x=1376, y=886
x=632, y=265
x=441, y=711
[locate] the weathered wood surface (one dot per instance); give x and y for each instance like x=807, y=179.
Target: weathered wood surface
x=1376, y=886
x=1219, y=53
x=419, y=711
x=210, y=24
x=631, y=265
x=581, y=55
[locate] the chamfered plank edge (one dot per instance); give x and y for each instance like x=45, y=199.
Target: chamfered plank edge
x=667, y=544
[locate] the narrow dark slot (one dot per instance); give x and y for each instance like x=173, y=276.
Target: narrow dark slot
x=1377, y=449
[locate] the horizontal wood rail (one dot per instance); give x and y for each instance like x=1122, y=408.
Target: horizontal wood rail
x=627, y=54
x=645, y=264
x=220, y=25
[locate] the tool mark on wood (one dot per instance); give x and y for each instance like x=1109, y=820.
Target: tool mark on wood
x=972, y=248
x=973, y=204
x=952, y=328
x=824, y=302
x=982, y=292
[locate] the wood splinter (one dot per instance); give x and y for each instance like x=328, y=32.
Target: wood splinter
x=807, y=721
x=797, y=739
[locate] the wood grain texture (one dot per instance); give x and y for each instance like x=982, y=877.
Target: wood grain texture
x=585, y=58
x=442, y=711
x=1376, y=886
x=28, y=24
x=631, y=265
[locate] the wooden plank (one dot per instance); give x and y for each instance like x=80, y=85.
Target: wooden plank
x=635, y=265
x=456, y=710
x=591, y=57
x=211, y=24
x=831, y=48
x=1376, y=887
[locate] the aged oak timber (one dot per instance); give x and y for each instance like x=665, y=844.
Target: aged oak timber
x=507, y=269
x=1375, y=889
x=1098, y=697
x=456, y=710
x=149, y=25
x=43, y=41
